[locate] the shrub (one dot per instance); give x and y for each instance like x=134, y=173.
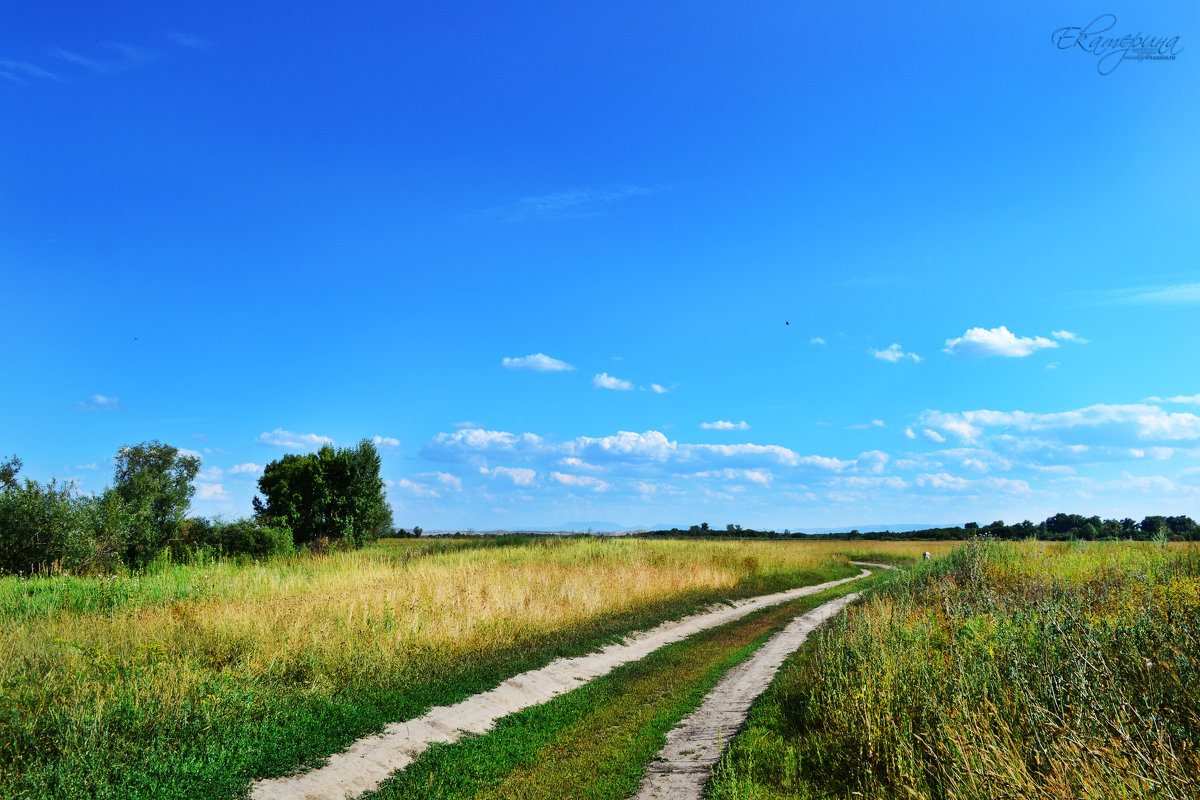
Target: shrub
x=40, y=528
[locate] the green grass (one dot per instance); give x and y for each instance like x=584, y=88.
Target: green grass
x=1018, y=670
x=196, y=680
x=596, y=741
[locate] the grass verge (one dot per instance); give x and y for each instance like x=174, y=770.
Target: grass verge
x=596, y=741
x=1014, y=670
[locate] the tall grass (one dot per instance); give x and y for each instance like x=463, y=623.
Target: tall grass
x=190, y=681
x=1004, y=671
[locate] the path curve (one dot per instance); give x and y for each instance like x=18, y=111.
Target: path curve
x=682, y=768
x=369, y=761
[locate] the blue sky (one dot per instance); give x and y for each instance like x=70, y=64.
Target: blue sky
x=546, y=255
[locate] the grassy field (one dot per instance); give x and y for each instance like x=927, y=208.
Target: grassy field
x=194, y=680
x=1019, y=670
x=596, y=742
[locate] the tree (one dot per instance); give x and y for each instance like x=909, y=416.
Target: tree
x=39, y=527
x=333, y=494
x=8, y=473
x=154, y=485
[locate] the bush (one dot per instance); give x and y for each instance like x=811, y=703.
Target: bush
x=40, y=528
x=260, y=541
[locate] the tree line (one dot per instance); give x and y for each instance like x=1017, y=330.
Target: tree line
x=331, y=498
x=1059, y=527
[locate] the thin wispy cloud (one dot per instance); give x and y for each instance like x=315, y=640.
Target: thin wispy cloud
x=187, y=40
x=816, y=340
x=99, y=402
x=658, y=389
x=78, y=60
x=19, y=70
x=1180, y=294
x=570, y=204
x=538, y=362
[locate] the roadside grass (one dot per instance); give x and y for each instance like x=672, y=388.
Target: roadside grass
x=194, y=680
x=596, y=741
x=1008, y=670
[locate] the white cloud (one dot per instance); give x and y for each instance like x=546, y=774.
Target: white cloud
x=816, y=340
x=210, y=491
x=722, y=425
x=873, y=461
x=875, y=423
x=570, y=204
x=1067, y=336
x=1054, y=365
x=933, y=436
x=249, y=468
x=385, y=441
x=520, y=476
x=1145, y=422
x=414, y=488
x=99, y=402
x=606, y=381
x=1193, y=399
x=461, y=425
x=446, y=479
x=577, y=463
x=909, y=434
x=585, y=481
x=1180, y=294
x=658, y=389
x=303, y=441
x=984, y=342
x=763, y=477
x=893, y=354
x=538, y=362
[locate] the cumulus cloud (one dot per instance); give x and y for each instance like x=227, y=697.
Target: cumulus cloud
x=985, y=342
x=538, y=362
x=99, y=402
x=658, y=389
x=520, y=476
x=722, y=425
x=386, y=441
x=606, y=381
x=762, y=477
x=816, y=340
x=1144, y=422
x=301, y=441
x=210, y=491
x=893, y=354
x=1193, y=399
x=584, y=481
x=249, y=468
x=446, y=479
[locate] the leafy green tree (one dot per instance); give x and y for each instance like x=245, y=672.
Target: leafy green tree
x=40, y=527
x=333, y=494
x=154, y=485
x=8, y=473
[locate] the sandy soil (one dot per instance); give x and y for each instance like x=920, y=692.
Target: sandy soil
x=371, y=760
x=682, y=768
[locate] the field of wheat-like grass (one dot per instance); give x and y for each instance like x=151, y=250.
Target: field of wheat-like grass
x=221, y=671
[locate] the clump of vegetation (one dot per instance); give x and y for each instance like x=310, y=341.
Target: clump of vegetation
x=191, y=680
x=1006, y=670
x=334, y=497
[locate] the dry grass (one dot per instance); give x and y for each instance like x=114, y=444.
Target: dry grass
x=1017, y=670
x=87, y=665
